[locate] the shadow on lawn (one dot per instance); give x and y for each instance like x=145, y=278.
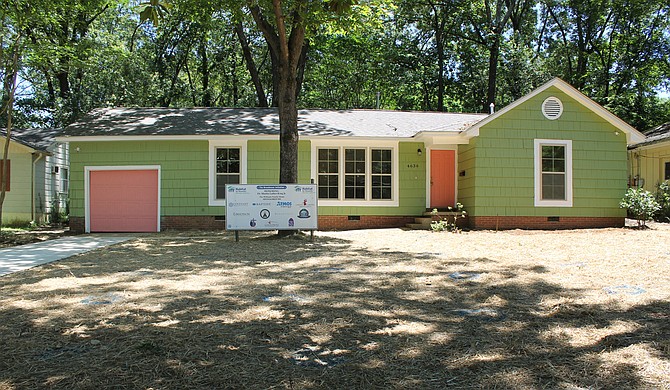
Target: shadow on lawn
x=210, y=313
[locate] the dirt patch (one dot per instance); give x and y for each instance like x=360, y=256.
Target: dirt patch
x=361, y=309
x=21, y=237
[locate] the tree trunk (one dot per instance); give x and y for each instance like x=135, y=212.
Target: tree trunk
x=439, y=45
x=274, y=63
x=204, y=70
x=494, y=53
x=288, y=129
x=63, y=84
x=302, y=62
x=251, y=66
x=286, y=49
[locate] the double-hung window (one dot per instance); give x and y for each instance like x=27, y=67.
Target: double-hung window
x=328, y=167
x=227, y=169
x=553, y=173
x=355, y=175
x=382, y=174
x=64, y=180
x=227, y=166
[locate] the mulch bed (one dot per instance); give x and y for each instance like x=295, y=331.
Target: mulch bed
x=385, y=309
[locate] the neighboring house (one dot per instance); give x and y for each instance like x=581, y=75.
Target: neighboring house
x=38, y=178
x=552, y=159
x=650, y=159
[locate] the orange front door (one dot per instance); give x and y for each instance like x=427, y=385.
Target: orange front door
x=124, y=201
x=442, y=178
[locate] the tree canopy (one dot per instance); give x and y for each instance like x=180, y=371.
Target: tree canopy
x=441, y=55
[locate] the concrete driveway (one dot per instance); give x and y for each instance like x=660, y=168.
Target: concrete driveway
x=23, y=257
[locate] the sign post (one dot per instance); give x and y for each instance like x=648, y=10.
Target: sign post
x=271, y=207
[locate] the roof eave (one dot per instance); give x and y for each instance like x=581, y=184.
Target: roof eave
x=441, y=138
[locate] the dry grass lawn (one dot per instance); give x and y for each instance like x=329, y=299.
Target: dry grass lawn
x=389, y=309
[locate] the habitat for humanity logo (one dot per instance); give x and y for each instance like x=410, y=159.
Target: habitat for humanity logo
x=307, y=189
x=237, y=189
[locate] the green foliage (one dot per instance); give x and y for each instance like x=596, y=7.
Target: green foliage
x=450, y=223
x=428, y=55
x=641, y=205
x=663, y=199
x=153, y=11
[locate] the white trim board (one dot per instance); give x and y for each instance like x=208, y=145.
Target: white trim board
x=537, y=151
x=224, y=143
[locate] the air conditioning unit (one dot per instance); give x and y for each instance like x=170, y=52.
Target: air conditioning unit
x=54, y=170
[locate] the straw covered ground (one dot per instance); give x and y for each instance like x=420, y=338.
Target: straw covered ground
x=392, y=309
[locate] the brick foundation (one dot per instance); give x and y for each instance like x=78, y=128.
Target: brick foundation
x=326, y=222
x=342, y=222
x=77, y=224
x=503, y=223
x=182, y=222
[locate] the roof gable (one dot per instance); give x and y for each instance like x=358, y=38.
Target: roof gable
x=632, y=135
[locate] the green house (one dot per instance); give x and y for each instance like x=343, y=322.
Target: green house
x=552, y=159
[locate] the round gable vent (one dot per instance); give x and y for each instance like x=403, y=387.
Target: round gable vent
x=552, y=108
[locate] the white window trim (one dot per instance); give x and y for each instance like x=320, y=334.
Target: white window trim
x=213, y=145
x=538, y=173
x=341, y=145
x=87, y=189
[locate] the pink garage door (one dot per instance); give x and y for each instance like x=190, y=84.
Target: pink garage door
x=124, y=201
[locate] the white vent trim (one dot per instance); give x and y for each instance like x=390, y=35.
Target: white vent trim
x=552, y=108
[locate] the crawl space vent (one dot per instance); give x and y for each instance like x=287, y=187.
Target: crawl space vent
x=552, y=108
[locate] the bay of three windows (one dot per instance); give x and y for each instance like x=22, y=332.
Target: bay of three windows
x=349, y=173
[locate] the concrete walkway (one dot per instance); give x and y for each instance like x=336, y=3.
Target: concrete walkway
x=22, y=257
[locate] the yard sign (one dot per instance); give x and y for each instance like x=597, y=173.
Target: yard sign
x=271, y=207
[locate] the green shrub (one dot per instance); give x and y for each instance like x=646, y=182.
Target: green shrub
x=640, y=204
x=663, y=199
x=448, y=223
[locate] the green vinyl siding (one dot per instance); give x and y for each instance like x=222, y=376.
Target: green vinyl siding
x=263, y=161
x=466, y=174
x=503, y=158
x=185, y=173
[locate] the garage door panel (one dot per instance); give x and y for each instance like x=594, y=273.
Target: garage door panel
x=124, y=200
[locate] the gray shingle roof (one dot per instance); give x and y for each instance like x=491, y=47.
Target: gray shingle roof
x=264, y=121
x=38, y=139
x=655, y=135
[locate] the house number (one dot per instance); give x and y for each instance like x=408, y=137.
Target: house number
x=412, y=165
